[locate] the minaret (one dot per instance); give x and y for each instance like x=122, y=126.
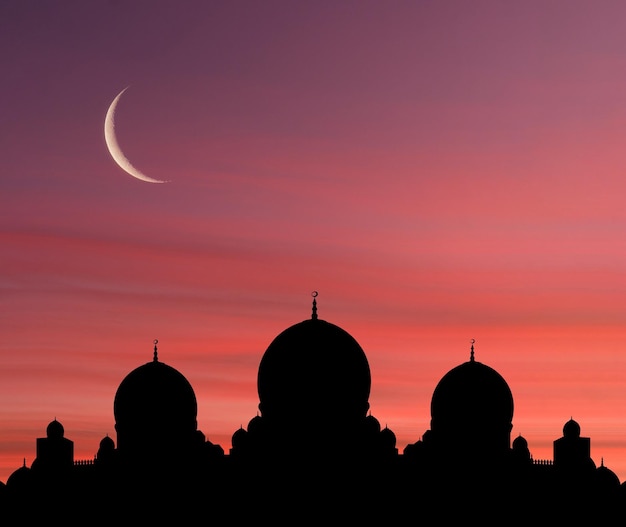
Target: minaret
x=314, y=312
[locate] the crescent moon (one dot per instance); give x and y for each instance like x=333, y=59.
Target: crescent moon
x=114, y=147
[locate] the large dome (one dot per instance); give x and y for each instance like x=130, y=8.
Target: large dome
x=472, y=403
x=314, y=368
x=154, y=402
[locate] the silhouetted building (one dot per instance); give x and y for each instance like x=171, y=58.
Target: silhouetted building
x=315, y=449
x=572, y=452
x=54, y=452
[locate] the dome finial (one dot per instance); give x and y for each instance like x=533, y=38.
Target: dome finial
x=472, y=350
x=156, y=358
x=314, y=313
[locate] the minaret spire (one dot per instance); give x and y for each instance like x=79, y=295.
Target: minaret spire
x=156, y=358
x=314, y=313
x=472, y=350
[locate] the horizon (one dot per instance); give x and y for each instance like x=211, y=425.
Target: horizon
x=438, y=172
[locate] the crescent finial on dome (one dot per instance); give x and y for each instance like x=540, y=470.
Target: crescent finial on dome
x=156, y=357
x=472, y=350
x=314, y=312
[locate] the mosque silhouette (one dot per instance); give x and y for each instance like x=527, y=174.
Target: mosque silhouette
x=314, y=453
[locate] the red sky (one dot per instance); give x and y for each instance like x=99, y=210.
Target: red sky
x=438, y=171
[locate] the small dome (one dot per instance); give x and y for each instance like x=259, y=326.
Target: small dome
x=606, y=478
x=106, y=451
x=20, y=477
x=107, y=444
x=571, y=429
x=388, y=437
x=314, y=368
x=520, y=443
x=520, y=449
x=55, y=430
x=239, y=438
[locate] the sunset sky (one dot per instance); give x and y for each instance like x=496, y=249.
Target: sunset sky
x=439, y=171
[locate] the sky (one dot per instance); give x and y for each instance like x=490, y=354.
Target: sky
x=439, y=171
